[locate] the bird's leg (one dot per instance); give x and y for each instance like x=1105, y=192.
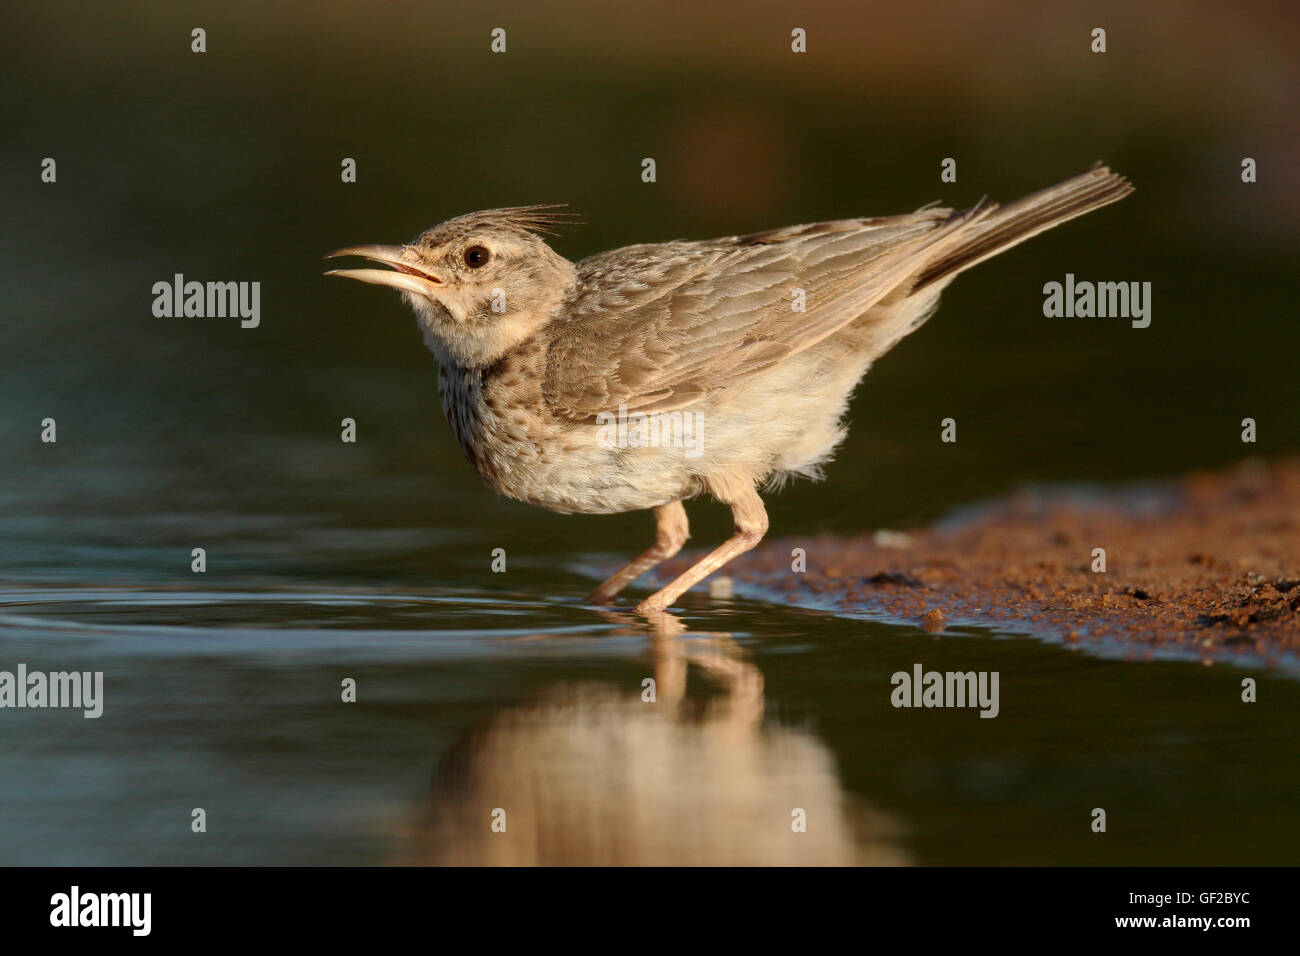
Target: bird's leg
x=671, y=532
x=751, y=524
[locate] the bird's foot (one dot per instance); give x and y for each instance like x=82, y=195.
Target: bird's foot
x=654, y=604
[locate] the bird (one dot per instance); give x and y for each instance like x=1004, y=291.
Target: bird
x=648, y=375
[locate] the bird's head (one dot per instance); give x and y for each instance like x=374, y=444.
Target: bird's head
x=479, y=284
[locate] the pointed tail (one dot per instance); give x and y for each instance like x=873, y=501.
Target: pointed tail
x=995, y=229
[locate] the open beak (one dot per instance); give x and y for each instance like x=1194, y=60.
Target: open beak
x=405, y=276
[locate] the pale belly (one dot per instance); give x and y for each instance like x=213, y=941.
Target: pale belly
x=578, y=471
x=589, y=468
x=782, y=422
x=630, y=462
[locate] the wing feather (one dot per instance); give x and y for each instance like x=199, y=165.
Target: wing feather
x=659, y=327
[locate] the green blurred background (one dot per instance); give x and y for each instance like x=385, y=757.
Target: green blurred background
x=225, y=165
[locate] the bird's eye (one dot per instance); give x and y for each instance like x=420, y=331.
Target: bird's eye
x=476, y=257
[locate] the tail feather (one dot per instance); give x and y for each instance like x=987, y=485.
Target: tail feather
x=993, y=229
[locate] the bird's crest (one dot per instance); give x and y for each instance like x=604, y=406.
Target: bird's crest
x=544, y=219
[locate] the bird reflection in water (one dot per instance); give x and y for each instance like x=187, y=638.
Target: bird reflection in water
x=593, y=774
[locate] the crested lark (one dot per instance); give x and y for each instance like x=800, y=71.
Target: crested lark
x=538, y=355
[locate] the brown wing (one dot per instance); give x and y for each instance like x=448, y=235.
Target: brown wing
x=657, y=327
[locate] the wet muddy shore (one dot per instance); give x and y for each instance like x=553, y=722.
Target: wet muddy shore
x=1208, y=565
